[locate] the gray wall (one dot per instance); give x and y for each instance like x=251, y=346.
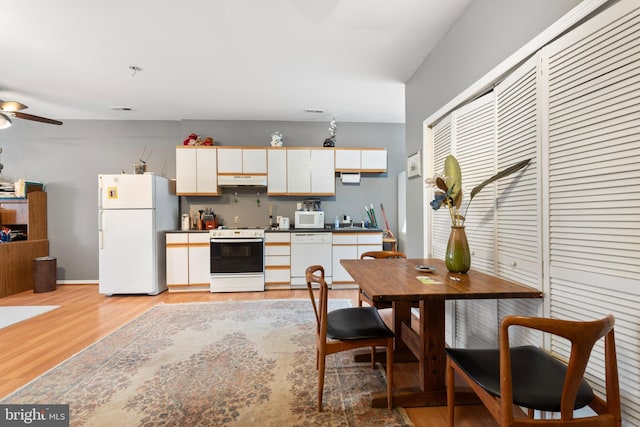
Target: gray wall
x=68, y=159
x=488, y=33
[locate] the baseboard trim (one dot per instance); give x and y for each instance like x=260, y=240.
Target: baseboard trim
x=77, y=282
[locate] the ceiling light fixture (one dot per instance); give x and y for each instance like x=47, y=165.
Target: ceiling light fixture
x=5, y=121
x=314, y=110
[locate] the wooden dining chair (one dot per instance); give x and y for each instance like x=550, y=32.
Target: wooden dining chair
x=346, y=329
x=510, y=378
x=362, y=296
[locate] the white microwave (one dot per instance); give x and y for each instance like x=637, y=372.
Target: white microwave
x=309, y=219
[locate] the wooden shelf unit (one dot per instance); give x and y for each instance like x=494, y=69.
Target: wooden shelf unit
x=16, y=271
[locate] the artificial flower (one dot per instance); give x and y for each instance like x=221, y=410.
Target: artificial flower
x=449, y=188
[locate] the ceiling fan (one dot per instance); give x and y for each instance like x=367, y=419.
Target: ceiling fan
x=10, y=109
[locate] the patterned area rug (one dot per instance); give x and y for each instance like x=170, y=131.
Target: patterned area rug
x=213, y=364
x=10, y=314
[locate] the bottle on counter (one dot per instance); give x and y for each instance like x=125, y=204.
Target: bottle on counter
x=337, y=223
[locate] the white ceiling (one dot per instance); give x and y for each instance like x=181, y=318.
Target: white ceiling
x=218, y=59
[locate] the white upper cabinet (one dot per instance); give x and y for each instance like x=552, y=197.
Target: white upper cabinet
x=186, y=171
x=290, y=171
x=373, y=160
x=238, y=160
x=347, y=159
x=360, y=160
x=229, y=160
x=298, y=171
x=196, y=171
x=277, y=171
x=323, y=173
x=254, y=160
x=310, y=171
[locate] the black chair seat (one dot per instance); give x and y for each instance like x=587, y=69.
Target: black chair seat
x=537, y=376
x=356, y=323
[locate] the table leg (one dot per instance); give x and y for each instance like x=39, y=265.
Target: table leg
x=401, y=315
x=432, y=359
x=428, y=346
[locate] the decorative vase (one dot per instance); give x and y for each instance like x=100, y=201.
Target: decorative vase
x=457, y=258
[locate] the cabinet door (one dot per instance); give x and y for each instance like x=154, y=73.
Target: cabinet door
x=373, y=160
x=343, y=252
x=199, y=259
x=298, y=167
x=277, y=171
x=177, y=259
x=186, y=171
x=207, y=174
x=323, y=173
x=347, y=159
x=254, y=160
x=230, y=160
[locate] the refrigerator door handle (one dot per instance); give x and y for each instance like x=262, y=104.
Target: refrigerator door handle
x=99, y=192
x=100, y=240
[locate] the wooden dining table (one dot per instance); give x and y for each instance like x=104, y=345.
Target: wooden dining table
x=396, y=281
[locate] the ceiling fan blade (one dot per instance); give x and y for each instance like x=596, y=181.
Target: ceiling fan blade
x=12, y=106
x=35, y=118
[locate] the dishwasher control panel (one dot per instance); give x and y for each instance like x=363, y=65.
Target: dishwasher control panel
x=311, y=238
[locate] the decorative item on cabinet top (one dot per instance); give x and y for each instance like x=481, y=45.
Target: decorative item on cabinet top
x=194, y=139
x=331, y=141
x=276, y=139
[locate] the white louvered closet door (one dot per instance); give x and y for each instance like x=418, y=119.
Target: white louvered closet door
x=440, y=221
x=518, y=202
x=469, y=134
x=475, y=150
x=594, y=186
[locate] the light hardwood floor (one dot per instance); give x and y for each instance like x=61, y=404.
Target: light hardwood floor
x=32, y=347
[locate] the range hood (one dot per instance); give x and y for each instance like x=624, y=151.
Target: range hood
x=242, y=180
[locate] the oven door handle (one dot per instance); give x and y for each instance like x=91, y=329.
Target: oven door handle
x=234, y=240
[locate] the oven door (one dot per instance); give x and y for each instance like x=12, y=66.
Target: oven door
x=236, y=256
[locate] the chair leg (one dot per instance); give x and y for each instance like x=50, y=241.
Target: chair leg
x=321, y=359
x=451, y=393
x=359, y=297
x=390, y=374
x=373, y=357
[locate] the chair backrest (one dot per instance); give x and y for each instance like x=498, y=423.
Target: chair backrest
x=583, y=336
x=382, y=254
x=315, y=274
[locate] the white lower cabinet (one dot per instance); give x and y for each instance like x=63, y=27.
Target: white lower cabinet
x=187, y=262
x=351, y=246
x=277, y=260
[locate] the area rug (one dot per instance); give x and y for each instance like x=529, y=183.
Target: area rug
x=213, y=364
x=11, y=314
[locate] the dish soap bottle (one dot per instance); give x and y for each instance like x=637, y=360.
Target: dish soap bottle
x=337, y=223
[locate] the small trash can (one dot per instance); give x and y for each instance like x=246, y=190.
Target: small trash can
x=44, y=274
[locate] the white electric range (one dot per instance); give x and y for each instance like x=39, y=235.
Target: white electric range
x=237, y=259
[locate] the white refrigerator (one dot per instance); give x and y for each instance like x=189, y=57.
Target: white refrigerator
x=134, y=212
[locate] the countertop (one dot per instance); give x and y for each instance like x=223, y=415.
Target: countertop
x=326, y=230
x=301, y=230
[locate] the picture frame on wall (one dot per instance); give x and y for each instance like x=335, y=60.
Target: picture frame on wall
x=414, y=165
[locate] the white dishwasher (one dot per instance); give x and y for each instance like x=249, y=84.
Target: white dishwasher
x=309, y=249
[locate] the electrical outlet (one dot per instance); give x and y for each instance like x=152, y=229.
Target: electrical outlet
x=236, y=220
